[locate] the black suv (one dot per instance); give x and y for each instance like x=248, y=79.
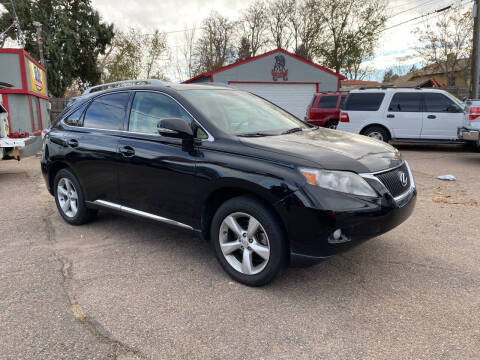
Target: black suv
x=265, y=188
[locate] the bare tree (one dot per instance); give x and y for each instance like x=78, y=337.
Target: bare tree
x=154, y=47
x=278, y=13
x=133, y=55
x=255, y=25
x=305, y=27
x=215, y=47
x=448, y=43
x=350, y=31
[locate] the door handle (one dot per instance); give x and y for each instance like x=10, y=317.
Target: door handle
x=72, y=143
x=390, y=116
x=127, y=151
x=431, y=117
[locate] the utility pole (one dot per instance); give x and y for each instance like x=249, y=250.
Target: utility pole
x=211, y=47
x=474, y=86
x=39, y=41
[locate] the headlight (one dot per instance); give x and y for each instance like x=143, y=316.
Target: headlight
x=343, y=181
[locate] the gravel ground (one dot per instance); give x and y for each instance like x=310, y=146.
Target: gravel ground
x=126, y=288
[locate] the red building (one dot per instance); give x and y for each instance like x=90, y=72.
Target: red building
x=26, y=100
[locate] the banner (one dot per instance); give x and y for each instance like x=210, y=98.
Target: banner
x=37, y=78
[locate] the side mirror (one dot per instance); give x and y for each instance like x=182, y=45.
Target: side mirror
x=175, y=128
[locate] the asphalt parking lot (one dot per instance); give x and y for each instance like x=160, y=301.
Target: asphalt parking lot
x=127, y=288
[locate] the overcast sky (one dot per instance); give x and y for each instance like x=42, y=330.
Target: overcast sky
x=172, y=15
x=175, y=15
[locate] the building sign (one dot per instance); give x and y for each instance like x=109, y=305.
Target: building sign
x=279, y=71
x=37, y=78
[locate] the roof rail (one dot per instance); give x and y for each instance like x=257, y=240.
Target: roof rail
x=124, y=83
x=216, y=84
x=384, y=87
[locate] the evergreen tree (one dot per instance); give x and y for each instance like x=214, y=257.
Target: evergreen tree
x=73, y=37
x=244, y=52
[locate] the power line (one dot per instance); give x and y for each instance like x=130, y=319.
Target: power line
x=434, y=12
x=412, y=8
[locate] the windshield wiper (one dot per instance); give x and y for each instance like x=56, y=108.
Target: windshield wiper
x=292, y=130
x=255, y=134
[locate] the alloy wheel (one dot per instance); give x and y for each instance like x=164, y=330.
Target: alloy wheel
x=376, y=135
x=67, y=197
x=244, y=243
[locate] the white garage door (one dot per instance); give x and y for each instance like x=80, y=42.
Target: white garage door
x=294, y=98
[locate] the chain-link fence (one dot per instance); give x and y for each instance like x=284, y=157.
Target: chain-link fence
x=58, y=104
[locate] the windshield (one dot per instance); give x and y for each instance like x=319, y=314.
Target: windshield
x=243, y=114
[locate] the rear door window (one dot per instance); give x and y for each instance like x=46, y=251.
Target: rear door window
x=328, y=102
x=107, y=112
x=406, y=102
x=438, y=103
x=364, y=101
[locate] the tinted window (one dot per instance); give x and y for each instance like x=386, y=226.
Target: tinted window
x=328, y=102
x=149, y=108
x=438, y=103
x=2, y=109
x=107, y=112
x=406, y=102
x=342, y=101
x=364, y=102
x=241, y=113
x=75, y=118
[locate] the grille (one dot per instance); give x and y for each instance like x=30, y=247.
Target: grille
x=392, y=180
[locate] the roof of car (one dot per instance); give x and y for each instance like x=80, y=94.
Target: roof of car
x=396, y=89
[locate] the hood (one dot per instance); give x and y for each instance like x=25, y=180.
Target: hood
x=331, y=149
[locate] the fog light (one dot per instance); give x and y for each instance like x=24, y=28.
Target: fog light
x=338, y=237
x=337, y=234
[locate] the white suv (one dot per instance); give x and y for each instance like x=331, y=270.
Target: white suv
x=403, y=114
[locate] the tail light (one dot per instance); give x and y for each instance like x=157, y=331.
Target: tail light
x=344, y=117
x=312, y=114
x=474, y=113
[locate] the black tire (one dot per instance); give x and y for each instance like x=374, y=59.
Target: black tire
x=332, y=124
x=272, y=227
x=377, y=130
x=83, y=214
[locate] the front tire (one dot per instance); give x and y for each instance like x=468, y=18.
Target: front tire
x=70, y=199
x=249, y=241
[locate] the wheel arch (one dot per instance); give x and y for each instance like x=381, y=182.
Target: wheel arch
x=222, y=194
x=52, y=172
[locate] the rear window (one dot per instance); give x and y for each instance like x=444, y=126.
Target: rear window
x=342, y=101
x=364, y=101
x=328, y=102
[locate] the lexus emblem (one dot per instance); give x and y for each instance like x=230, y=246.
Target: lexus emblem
x=403, y=178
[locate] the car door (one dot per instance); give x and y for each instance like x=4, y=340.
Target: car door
x=157, y=176
x=404, y=115
x=441, y=118
x=92, y=142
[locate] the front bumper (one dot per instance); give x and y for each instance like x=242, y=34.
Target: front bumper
x=311, y=229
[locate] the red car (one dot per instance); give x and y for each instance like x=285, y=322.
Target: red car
x=324, y=110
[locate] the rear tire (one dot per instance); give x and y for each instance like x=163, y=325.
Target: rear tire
x=332, y=124
x=249, y=241
x=70, y=199
x=377, y=132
